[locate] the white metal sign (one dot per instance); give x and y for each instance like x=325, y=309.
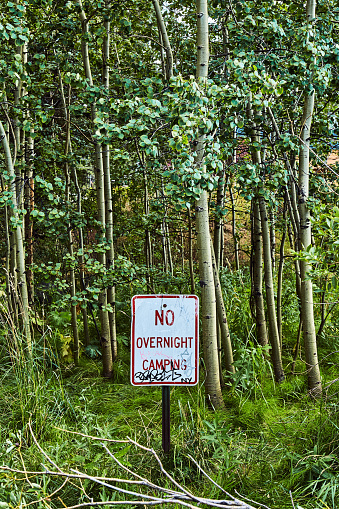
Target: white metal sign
x=165, y=340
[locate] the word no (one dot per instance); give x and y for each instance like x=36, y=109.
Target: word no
x=169, y=317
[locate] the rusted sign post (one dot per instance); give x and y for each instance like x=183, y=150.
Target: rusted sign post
x=165, y=346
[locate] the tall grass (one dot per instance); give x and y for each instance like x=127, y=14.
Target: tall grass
x=31, y=380
x=270, y=440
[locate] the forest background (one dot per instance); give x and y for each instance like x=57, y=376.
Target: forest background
x=182, y=149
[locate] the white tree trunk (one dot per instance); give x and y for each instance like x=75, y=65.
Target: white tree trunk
x=20, y=252
x=311, y=354
x=208, y=300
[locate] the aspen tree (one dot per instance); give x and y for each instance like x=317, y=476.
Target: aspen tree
x=29, y=206
x=222, y=317
x=108, y=199
x=268, y=271
x=307, y=311
x=280, y=272
x=257, y=275
x=208, y=299
x=20, y=254
x=218, y=222
x=190, y=250
x=269, y=285
x=100, y=190
x=165, y=40
x=234, y=229
x=67, y=149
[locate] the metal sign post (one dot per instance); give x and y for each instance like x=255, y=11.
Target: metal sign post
x=166, y=418
x=165, y=346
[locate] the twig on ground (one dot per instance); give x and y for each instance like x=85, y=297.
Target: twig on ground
x=159, y=495
x=93, y=438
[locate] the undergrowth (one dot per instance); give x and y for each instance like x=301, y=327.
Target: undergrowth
x=271, y=444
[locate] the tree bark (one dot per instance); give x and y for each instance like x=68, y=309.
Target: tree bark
x=20, y=252
x=257, y=276
x=222, y=318
x=234, y=229
x=110, y=255
x=271, y=313
x=218, y=222
x=208, y=300
x=74, y=320
x=100, y=191
x=165, y=40
x=307, y=312
x=190, y=250
x=280, y=274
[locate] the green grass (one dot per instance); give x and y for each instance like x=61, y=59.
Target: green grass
x=269, y=441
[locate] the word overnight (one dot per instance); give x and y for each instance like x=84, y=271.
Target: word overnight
x=164, y=342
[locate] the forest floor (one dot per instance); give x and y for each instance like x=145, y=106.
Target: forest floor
x=271, y=443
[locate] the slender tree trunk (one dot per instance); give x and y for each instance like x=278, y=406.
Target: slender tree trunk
x=272, y=236
x=182, y=249
x=148, y=242
x=280, y=275
x=163, y=238
x=109, y=202
x=166, y=231
x=8, y=257
x=257, y=276
x=222, y=317
x=268, y=272
x=310, y=343
x=190, y=250
x=218, y=222
x=208, y=300
x=165, y=40
x=20, y=253
x=74, y=320
x=296, y=348
x=234, y=229
x=100, y=191
x=269, y=285
x=28, y=218
x=68, y=146
x=11, y=273
x=14, y=272
x=81, y=257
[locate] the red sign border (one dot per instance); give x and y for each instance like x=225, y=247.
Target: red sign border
x=159, y=296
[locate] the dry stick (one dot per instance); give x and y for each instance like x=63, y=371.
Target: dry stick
x=23, y=464
x=130, y=502
x=253, y=501
x=66, y=474
x=177, y=498
x=145, y=481
x=292, y=499
x=213, y=503
x=128, y=492
x=160, y=501
x=93, y=438
x=165, y=472
x=41, y=449
x=47, y=496
x=209, y=478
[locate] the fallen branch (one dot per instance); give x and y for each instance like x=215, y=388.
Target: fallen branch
x=158, y=495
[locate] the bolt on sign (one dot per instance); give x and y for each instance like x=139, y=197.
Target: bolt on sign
x=165, y=344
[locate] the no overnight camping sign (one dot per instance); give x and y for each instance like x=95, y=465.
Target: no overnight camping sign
x=164, y=340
